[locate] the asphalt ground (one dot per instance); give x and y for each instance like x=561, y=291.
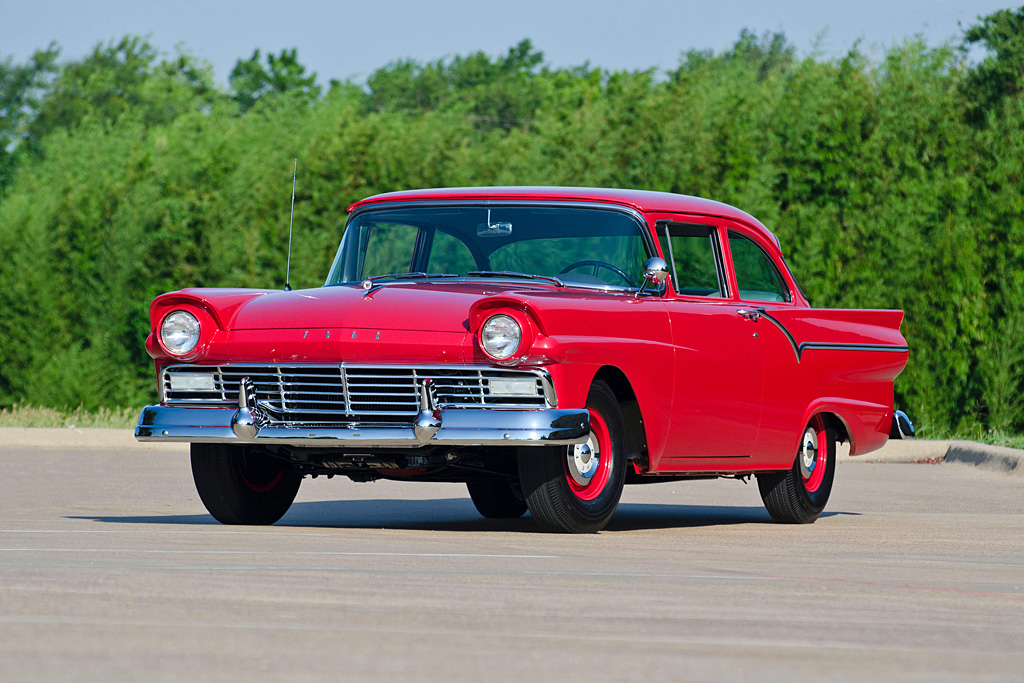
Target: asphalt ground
x=111, y=570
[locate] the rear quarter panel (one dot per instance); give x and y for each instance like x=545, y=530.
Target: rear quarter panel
x=838, y=361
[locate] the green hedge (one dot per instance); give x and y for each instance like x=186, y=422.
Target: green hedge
x=886, y=183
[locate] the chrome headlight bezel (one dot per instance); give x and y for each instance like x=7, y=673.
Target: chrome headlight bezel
x=180, y=332
x=501, y=336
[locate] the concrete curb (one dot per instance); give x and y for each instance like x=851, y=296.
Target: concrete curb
x=999, y=458
x=899, y=451
x=1009, y=460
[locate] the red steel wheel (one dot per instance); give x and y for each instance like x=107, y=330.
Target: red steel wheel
x=812, y=459
x=585, y=469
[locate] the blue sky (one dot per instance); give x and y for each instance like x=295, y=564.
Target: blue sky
x=349, y=40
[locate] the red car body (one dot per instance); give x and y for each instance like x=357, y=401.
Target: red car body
x=724, y=382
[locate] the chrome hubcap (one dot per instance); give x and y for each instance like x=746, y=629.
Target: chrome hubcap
x=808, y=453
x=583, y=460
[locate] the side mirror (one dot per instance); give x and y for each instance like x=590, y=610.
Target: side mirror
x=655, y=273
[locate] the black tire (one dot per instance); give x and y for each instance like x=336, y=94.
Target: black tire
x=497, y=499
x=242, y=488
x=796, y=496
x=558, y=502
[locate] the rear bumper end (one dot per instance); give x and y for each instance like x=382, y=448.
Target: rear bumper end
x=454, y=427
x=902, y=427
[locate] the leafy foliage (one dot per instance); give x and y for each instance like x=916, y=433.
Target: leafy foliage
x=283, y=74
x=21, y=88
x=895, y=184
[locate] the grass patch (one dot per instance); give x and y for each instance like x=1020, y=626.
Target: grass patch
x=993, y=437
x=22, y=415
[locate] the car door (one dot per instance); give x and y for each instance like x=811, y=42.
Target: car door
x=764, y=293
x=717, y=373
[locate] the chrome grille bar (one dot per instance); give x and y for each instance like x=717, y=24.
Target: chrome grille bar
x=348, y=394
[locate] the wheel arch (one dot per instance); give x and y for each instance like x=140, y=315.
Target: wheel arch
x=636, y=436
x=834, y=419
x=837, y=424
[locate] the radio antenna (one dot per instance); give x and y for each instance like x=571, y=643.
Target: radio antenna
x=291, y=221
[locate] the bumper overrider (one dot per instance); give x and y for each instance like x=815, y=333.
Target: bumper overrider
x=452, y=427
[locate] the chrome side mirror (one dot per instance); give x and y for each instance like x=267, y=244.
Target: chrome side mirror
x=655, y=273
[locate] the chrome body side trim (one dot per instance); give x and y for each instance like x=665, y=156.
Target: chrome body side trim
x=798, y=349
x=455, y=427
x=892, y=348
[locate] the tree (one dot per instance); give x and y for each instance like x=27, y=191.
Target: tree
x=1001, y=73
x=501, y=93
x=250, y=80
x=121, y=78
x=22, y=88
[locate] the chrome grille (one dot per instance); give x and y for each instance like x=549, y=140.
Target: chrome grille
x=348, y=394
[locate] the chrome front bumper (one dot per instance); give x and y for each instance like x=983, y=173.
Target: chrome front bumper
x=453, y=427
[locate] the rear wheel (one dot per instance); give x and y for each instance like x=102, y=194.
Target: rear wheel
x=497, y=499
x=242, y=488
x=798, y=495
x=577, y=488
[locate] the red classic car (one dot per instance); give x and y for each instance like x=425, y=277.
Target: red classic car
x=545, y=346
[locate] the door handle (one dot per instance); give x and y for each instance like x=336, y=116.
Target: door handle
x=753, y=314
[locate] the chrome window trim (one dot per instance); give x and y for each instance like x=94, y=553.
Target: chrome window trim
x=781, y=280
x=645, y=228
x=716, y=254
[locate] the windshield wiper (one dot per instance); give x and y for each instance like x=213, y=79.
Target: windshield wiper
x=372, y=281
x=512, y=273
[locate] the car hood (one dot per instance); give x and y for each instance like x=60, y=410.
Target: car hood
x=397, y=306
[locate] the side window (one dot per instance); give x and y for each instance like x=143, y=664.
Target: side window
x=756, y=276
x=693, y=255
x=449, y=254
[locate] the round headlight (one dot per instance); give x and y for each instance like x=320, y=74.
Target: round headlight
x=179, y=332
x=500, y=336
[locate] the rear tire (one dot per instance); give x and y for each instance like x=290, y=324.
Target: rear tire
x=497, y=499
x=799, y=495
x=242, y=488
x=576, y=489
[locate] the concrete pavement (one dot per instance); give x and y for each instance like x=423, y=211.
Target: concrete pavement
x=111, y=569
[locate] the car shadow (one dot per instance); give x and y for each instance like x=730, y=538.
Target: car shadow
x=458, y=514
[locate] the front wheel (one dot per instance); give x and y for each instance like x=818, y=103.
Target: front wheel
x=576, y=489
x=798, y=495
x=497, y=499
x=242, y=488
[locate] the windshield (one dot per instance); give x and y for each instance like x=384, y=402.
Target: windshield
x=584, y=246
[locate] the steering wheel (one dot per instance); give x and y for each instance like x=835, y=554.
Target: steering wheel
x=597, y=266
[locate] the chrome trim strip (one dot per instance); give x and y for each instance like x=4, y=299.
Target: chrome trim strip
x=799, y=349
x=457, y=427
x=476, y=381
x=792, y=342
x=892, y=348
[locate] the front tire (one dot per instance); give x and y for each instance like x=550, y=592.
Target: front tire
x=576, y=489
x=497, y=499
x=798, y=495
x=242, y=488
